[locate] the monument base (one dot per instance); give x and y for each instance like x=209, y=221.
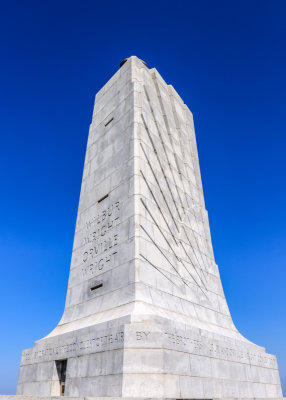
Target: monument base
x=148, y=360
x=19, y=397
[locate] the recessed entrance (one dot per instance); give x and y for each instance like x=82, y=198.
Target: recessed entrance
x=61, y=366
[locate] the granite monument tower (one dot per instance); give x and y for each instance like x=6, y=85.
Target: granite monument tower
x=145, y=313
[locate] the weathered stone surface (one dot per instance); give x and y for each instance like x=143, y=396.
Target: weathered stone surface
x=145, y=313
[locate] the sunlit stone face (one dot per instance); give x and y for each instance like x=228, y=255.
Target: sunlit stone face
x=145, y=313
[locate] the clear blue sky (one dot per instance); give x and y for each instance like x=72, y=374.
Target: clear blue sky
x=227, y=60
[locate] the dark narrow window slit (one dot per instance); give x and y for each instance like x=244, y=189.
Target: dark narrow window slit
x=61, y=366
x=99, y=285
x=108, y=122
x=102, y=198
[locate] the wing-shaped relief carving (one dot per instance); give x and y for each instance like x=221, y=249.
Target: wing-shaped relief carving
x=170, y=192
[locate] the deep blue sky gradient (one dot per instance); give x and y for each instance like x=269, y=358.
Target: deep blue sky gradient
x=227, y=60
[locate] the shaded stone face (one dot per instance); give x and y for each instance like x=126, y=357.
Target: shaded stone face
x=145, y=313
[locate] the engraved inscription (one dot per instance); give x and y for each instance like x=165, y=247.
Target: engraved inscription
x=98, y=265
x=203, y=346
x=101, y=240
x=142, y=335
x=110, y=214
x=210, y=349
x=96, y=343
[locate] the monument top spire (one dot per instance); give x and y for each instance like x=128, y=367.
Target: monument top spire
x=125, y=59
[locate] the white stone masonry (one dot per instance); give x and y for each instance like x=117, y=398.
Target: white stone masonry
x=145, y=313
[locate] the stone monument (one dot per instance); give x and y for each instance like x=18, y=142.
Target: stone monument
x=145, y=313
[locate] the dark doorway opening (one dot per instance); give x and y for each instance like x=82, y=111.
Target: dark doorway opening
x=62, y=371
